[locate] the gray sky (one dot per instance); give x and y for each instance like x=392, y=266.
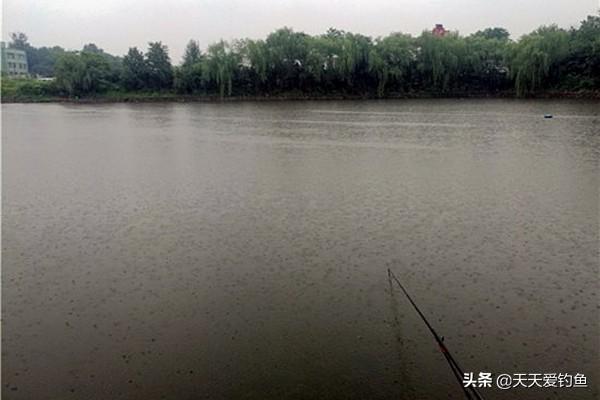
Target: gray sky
x=115, y=25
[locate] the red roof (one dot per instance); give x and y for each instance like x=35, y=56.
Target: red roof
x=439, y=30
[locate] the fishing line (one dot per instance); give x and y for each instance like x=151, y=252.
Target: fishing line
x=470, y=391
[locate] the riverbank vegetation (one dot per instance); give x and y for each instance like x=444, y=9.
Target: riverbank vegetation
x=335, y=64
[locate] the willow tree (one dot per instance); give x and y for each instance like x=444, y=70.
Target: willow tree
x=220, y=66
x=536, y=58
x=440, y=60
x=354, y=57
x=390, y=59
x=254, y=54
x=485, y=64
x=69, y=70
x=326, y=60
x=287, y=52
x=82, y=73
x=339, y=61
x=323, y=60
x=320, y=59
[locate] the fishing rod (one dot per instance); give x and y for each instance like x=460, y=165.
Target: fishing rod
x=470, y=391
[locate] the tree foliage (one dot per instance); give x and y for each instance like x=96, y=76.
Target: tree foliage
x=582, y=65
x=134, y=75
x=220, y=67
x=158, y=65
x=82, y=73
x=19, y=40
x=390, y=59
x=339, y=62
x=493, y=33
x=188, y=77
x=537, y=57
x=41, y=60
x=192, y=54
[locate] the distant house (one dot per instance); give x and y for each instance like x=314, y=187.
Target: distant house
x=439, y=30
x=14, y=61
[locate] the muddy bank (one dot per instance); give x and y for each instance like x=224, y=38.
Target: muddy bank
x=172, y=97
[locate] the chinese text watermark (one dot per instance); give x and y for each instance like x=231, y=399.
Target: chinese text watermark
x=521, y=380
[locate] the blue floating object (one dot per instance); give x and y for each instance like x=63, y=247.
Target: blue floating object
x=548, y=116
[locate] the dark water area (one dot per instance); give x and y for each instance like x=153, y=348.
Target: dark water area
x=240, y=251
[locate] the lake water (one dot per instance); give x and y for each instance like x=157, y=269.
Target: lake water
x=240, y=251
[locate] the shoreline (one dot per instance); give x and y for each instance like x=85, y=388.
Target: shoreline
x=178, y=98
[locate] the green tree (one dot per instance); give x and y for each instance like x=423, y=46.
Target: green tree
x=485, y=63
x=582, y=65
x=353, y=59
x=220, y=66
x=254, y=55
x=192, y=53
x=135, y=72
x=537, y=57
x=390, y=59
x=493, y=33
x=341, y=59
x=440, y=61
x=92, y=48
x=158, y=64
x=115, y=63
x=19, y=41
x=320, y=62
x=41, y=60
x=188, y=78
x=82, y=73
x=288, y=52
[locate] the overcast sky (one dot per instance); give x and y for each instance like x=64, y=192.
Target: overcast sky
x=115, y=25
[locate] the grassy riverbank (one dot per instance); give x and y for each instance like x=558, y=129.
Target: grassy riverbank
x=35, y=91
x=149, y=97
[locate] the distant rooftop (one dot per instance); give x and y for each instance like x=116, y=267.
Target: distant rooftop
x=439, y=30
